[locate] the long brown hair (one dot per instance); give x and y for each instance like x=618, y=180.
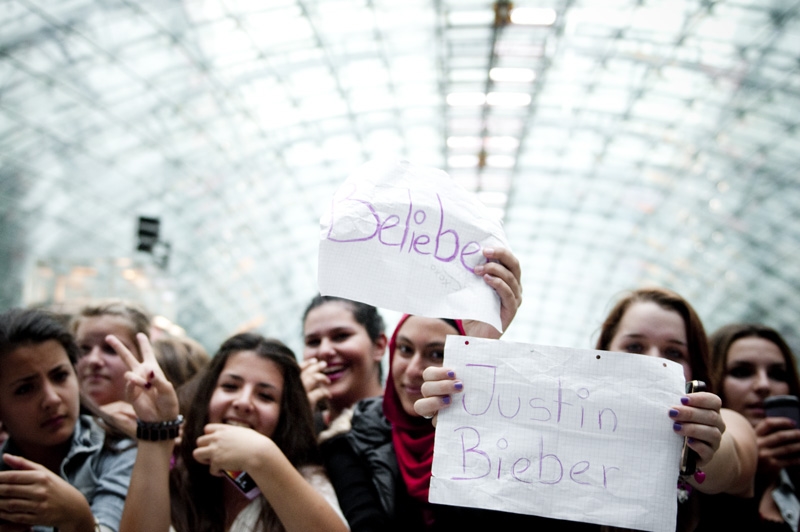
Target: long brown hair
x=724, y=337
x=666, y=299
x=197, y=502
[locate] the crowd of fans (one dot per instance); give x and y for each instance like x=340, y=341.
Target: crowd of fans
x=106, y=427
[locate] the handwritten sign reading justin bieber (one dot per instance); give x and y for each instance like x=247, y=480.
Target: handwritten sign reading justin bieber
x=562, y=433
x=407, y=238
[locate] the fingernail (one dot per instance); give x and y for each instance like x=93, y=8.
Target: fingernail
x=148, y=385
x=152, y=375
x=677, y=427
x=459, y=385
x=488, y=251
x=446, y=399
x=479, y=269
x=684, y=400
x=451, y=374
x=700, y=477
x=690, y=440
x=673, y=413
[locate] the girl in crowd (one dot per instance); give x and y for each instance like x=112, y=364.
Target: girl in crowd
x=750, y=363
x=344, y=344
x=657, y=322
x=100, y=371
x=250, y=413
x=59, y=468
x=381, y=468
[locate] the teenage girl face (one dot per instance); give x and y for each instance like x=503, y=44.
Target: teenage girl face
x=100, y=370
x=331, y=333
x=649, y=329
x=248, y=393
x=420, y=343
x=754, y=370
x=39, y=398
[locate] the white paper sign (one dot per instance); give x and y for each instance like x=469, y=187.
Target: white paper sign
x=406, y=238
x=564, y=433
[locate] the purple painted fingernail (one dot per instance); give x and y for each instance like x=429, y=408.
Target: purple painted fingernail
x=673, y=413
x=446, y=399
x=152, y=375
x=677, y=427
x=690, y=440
x=451, y=374
x=148, y=385
x=684, y=400
x=459, y=385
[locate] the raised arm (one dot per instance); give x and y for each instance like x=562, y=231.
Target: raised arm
x=724, y=441
x=147, y=508
x=502, y=272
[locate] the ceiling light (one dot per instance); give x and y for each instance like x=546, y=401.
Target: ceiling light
x=470, y=18
x=508, y=99
x=502, y=143
x=462, y=161
x=501, y=161
x=472, y=143
x=535, y=16
x=520, y=75
x=466, y=98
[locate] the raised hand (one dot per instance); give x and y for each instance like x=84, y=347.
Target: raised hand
x=437, y=390
x=153, y=397
x=30, y=494
x=502, y=272
x=699, y=419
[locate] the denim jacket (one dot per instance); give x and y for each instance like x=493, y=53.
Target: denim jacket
x=786, y=500
x=101, y=475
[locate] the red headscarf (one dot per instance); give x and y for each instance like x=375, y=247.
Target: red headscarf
x=412, y=436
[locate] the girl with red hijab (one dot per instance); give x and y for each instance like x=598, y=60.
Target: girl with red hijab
x=381, y=467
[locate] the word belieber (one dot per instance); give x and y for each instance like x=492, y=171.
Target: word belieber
x=541, y=415
x=417, y=230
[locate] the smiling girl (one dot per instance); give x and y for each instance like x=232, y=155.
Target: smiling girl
x=344, y=342
x=250, y=413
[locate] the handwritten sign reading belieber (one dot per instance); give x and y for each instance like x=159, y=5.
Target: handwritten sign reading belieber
x=406, y=238
x=563, y=433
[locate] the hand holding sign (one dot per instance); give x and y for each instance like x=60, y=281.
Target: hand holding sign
x=502, y=272
x=409, y=238
x=564, y=433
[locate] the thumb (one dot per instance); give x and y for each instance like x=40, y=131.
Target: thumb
x=20, y=463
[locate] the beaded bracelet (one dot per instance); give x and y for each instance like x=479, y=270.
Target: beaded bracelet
x=159, y=430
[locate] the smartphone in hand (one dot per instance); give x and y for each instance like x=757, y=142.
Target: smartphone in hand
x=783, y=406
x=688, y=456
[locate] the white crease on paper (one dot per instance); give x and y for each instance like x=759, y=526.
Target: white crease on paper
x=563, y=433
x=406, y=238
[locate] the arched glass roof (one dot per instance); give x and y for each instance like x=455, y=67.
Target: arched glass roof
x=624, y=142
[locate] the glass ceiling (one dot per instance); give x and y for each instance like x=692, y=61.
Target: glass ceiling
x=624, y=142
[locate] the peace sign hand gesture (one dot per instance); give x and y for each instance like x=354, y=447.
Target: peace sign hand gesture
x=153, y=397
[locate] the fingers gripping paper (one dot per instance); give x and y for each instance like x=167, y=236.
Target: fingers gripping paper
x=563, y=433
x=407, y=238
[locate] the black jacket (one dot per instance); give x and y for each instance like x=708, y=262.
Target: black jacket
x=363, y=469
